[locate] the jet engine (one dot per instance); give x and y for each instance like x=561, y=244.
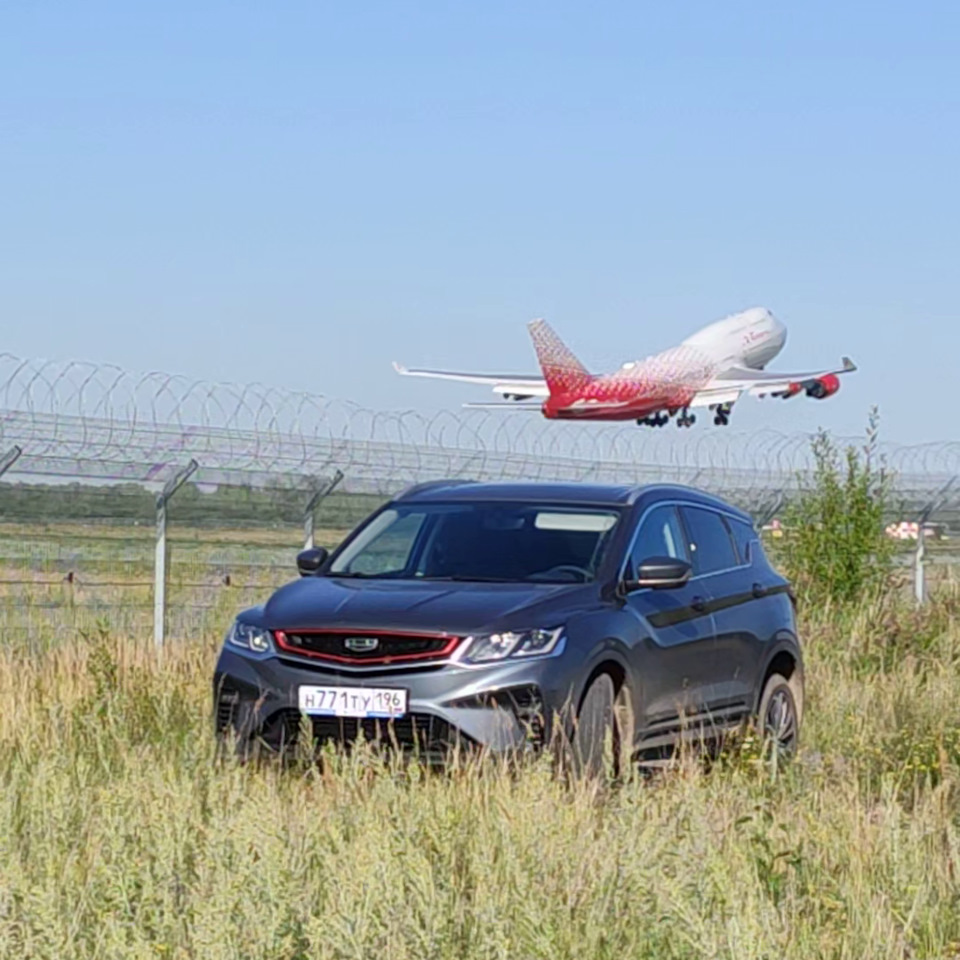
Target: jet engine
x=823, y=387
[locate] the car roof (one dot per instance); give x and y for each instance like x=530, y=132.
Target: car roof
x=462, y=491
x=592, y=494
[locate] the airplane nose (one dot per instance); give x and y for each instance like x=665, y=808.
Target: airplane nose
x=779, y=330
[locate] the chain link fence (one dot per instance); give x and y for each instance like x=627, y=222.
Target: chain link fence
x=158, y=505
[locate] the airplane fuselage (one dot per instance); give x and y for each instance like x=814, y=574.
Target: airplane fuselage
x=710, y=370
x=670, y=380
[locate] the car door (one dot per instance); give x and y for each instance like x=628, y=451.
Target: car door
x=676, y=626
x=759, y=621
x=717, y=566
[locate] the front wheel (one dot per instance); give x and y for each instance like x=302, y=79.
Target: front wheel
x=604, y=722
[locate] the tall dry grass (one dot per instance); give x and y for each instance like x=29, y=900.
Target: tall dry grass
x=123, y=836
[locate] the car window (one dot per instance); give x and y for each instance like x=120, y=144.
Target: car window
x=660, y=535
x=499, y=541
x=708, y=540
x=744, y=536
x=390, y=546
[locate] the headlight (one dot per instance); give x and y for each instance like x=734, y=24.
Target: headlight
x=490, y=647
x=251, y=638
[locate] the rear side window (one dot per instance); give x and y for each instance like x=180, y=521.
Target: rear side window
x=708, y=540
x=745, y=538
x=660, y=535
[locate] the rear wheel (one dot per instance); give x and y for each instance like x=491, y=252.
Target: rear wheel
x=778, y=718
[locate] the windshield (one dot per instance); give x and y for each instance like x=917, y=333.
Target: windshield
x=506, y=542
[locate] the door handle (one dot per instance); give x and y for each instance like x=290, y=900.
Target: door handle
x=759, y=591
x=698, y=604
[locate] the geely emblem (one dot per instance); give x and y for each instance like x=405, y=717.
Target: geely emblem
x=361, y=644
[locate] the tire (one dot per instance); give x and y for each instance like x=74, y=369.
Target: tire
x=778, y=718
x=596, y=720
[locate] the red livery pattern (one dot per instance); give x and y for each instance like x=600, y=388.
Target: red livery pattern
x=712, y=368
x=668, y=381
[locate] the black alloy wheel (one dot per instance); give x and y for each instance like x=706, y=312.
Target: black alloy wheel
x=779, y=722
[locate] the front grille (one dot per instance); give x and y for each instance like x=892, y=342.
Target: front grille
x=415, y=731
x=365, y=648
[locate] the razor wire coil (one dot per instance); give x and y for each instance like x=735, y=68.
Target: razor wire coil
x=98, y=422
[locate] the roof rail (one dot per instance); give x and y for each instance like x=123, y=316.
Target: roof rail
x=430, y=485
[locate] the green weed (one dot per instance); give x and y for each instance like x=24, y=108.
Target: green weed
x=835, y=548
x=123, y=833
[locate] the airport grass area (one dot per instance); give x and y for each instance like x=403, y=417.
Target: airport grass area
x=125, y=834
x=122, y=835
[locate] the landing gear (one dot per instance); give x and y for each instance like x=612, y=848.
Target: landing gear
x=684, y=418
x=656, y=420
x=722, y=412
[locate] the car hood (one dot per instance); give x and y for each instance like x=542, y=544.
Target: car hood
x=457, y=608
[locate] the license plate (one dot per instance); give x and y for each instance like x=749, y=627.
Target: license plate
x=353, y=701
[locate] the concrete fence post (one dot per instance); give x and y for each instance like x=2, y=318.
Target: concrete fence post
x=309, y=513
x=162, y=554
x=919, y=570
x=935, y=505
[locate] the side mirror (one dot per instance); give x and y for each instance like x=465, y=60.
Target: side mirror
x=310, y=561
x=660, y=573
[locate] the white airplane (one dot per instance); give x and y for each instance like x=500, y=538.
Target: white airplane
x=710, y=369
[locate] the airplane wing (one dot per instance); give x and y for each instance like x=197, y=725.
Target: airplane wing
x=711, y=397
x=761, y=383
x=727, y=386
x=503, y=405
x=506, y=383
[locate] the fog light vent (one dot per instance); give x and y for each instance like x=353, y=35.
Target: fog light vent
x=525, y=702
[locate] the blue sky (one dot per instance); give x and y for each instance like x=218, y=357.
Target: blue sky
x=299, y=193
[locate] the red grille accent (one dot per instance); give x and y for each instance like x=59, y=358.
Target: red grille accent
x=391, y=647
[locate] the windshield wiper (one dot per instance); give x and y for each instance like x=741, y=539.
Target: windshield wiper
x=455, y=578
x=462, y=578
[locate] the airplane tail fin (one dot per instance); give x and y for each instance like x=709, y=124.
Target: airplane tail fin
x=561, y=369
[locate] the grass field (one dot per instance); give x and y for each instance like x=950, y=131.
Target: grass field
x=123, y=836
x=62, y=579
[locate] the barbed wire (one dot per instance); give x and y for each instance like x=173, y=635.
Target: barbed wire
x=96, y=421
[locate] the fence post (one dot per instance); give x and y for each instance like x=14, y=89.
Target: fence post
x=309, y=513
x=919, y=568
x=919, y=571
x=162, y=554
x=9, y=459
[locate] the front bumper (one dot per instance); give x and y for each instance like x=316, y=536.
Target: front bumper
x=505, y=707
